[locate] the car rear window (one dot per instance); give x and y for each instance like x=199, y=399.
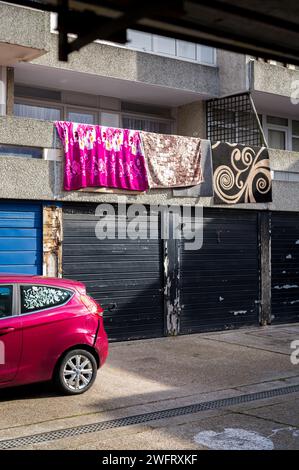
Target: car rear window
x=35, y=297
x=5, y=301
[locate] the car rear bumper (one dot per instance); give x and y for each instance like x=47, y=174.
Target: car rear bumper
x=101, y=344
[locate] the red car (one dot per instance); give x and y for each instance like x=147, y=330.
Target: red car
x=50, y=329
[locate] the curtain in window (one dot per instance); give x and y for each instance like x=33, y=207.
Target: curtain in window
x=82, y=118
x=36, y=112
x=147, y=125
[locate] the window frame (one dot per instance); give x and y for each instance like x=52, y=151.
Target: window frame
x=149, y=117
x=117, y=113
x=275, y=127
x=155, y=37
x=78, y=109
x=14, y=303
x=65, y=108
x=39, y=103
x=293, y=136
x=19, y=298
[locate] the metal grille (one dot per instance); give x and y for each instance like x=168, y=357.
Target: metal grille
x=144, y=418
x=234, y=119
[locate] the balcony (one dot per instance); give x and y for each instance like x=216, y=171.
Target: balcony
x=131, y=75
x=41, y=179
x=23, y=34
x=273, y=79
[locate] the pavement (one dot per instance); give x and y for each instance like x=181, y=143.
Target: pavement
x=158, y=374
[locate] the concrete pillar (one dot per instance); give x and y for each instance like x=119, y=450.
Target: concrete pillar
x=265, y=266
x=10, y=91
x=52, y=241
x=233, y=72
x=3, y=90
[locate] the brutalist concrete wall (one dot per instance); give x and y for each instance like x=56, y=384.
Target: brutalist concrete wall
x=274, y=79
x=191, y=119
x=33, y=179
x=24, y=26
x=124, y=64
x=26, y=132
x=233, y=72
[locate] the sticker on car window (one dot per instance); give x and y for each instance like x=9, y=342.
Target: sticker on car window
x=40, y=297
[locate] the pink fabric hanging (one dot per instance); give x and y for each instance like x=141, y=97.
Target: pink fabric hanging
x=98, y=156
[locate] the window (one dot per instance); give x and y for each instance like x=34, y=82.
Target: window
x=14, y=151
x=150, y=118
x=281, y=132
x=277, y=121
x=277, y=139
x=149, y=125
x=81, y=117
x=205, y=54
x=35, y=298
x=5, y=301
x=171, y=47
x=186, y=50
x=295, y=136
x=36, y=111
x=140, y=40
x=277, y=132
x=139, y=116
x=164, y=45
x=110, y=119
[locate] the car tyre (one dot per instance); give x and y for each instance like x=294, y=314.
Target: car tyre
x=76, y=372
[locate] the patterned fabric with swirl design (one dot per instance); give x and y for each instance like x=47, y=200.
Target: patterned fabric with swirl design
x=241, y=174
x=172, y=161
x=98, y=156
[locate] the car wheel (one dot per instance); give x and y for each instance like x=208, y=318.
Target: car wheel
x=76, y=372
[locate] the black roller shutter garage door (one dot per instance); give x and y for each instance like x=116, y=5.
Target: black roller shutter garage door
x=285, y=267
x=220, y=281
x=125, y=273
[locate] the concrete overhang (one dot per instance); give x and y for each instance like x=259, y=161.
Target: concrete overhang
x=277, y=105
x=129, y=90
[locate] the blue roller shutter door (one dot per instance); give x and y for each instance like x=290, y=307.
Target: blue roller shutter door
x=21, y=238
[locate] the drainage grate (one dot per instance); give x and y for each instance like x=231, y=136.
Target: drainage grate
x=144, y=418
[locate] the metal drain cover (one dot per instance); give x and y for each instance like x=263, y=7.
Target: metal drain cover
x=144, y=418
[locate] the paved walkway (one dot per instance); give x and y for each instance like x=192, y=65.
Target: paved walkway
x=152, y=375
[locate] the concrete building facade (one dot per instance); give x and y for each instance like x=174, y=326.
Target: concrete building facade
x=161, y=85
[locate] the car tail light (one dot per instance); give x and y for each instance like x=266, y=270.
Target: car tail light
x=91, y=305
